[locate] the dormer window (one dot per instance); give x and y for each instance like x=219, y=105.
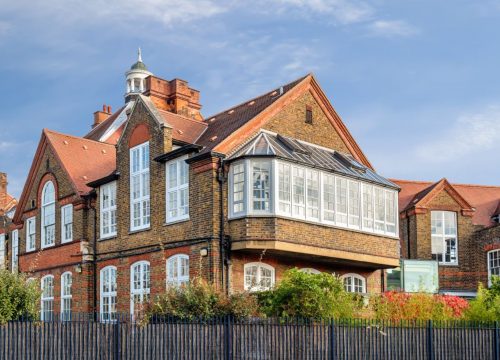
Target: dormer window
x=48, y=215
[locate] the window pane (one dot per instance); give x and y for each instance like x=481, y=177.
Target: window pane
x=298, y=192
x=284, y=188
x=312, y=194
x=367, y=207
x=261, y=185
x=354, y=204
x=329, y=198
x=341, y=201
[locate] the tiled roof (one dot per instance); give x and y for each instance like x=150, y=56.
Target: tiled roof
x=483, y=198
x=84, y=160
x=305, y=153
x=183, y=128
x=97, y=132
x=221, y=125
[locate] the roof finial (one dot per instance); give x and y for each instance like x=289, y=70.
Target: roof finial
x=139, y=55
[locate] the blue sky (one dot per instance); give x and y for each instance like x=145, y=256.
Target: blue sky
x=416, y=82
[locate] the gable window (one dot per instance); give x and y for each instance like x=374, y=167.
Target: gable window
x=67, y=223
x=108, y=293
x=48, y=215
x=444, y=237
x=2, y=251
x=66, y=297
x=354, y=283
x=139, y=187
x=177, y=190
x=309, y=115
x=258, y=277
x=15, y=251
x=139, y=286
x=493, y=264
x=30, y=234
x=178, y=270
x=47, y=299
x=261, y=186
x=108, y=210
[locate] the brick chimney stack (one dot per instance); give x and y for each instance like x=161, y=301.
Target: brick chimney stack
x=100, y=116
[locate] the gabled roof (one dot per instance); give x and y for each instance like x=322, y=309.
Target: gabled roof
x=82, y=160
x=229, y=128
x=483, y=199
x=294, y=150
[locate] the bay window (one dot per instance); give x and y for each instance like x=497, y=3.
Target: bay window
x=108, y=210
x=177, y=190
x=311, y=195
x=30, y=234
x=48, y=215
x=444, y=237
x=139, y=187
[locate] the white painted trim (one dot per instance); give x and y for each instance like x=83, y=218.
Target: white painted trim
x=259, y=266
x=142, y=291
x=177, y=189
x=63, y=208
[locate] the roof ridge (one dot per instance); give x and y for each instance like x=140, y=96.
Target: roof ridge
x=298, y=80
x=423, y=182
x=46, y=131
x=95, y=128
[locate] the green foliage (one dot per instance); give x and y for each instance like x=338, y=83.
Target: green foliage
x=201, y=300
x=18, y=297
x=315, y=296
x=486, y=306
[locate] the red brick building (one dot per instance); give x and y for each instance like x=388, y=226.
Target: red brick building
x=7, y=208
x=156, y=194
x=455, y=224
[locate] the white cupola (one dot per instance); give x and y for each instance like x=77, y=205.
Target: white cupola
x=136, y=76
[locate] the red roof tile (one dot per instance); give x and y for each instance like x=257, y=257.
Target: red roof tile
x=483, y=198
x=84, y=160
x=183, y=128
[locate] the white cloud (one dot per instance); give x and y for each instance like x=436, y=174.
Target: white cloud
x=468, y=135
x=392, y=28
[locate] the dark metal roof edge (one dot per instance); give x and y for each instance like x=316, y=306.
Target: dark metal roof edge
x=205, y=155
x=104, y=180
x=186, y=149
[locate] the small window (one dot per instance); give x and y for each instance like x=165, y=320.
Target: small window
x=493, y=264
x=108, y=293
x=15, y=251
x=31, y=234
x=66, y=297
x=108, y=210
x=354, y=283
x=177, y=190
x=178, y=270
x=139, y=286
x=309, y=115
x=258, y=277
x=47, y=299
x=2, y=251
x=67, y=223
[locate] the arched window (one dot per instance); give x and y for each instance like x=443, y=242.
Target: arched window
x=258, y=276
x=47, y=300
x=354, y=283
x=493, y=264
x=108, y=293
x=139, y=285
x=66, y=282
x=48, y=214
x=177, y=270
x=310, y=271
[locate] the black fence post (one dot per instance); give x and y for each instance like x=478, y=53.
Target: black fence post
x=430, y=341
x=228, y=333
x=332, y=339
x=497, y=341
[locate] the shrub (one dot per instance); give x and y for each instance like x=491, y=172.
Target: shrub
x=397, y=306
x=486, y=306
x=315, y=296
x=199, y=299
x=18, y=297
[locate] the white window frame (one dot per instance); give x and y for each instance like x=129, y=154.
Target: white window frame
x=496, y=267
x=47, y=314
x=143, y=199
x=30, y=229
x=66, y=221
x=176, y=261
x=45, y=226
x=354, y=276
x=110, y=295
x=251, y=286
x=311, y=177
x=251, y=189
x=15, y=251
x=108, y=212
x=142, y=292
x=241, y=167
x=3, y=258
x=175, y=192
x=310, y=271
x=445, y=237
x=66, y=297
x=280, y=188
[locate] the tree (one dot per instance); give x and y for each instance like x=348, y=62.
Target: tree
x=19, y=297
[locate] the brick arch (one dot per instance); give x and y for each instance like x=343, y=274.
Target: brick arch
x=139, y=135
x=46, y=178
